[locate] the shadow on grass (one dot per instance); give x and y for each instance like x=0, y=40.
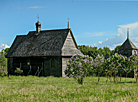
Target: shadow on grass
x=128, y=82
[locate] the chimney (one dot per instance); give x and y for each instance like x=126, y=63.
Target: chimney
x=38, y=27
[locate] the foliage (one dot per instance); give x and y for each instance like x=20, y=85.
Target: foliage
x=78, y=67
x=107, y=52
x=134, y=61
x=3, y=72
x=98, y=65
x=116, y=50
x=94, y=51
x=3, y=61
x=113, y=65
x=18, y=72
x=5, y=51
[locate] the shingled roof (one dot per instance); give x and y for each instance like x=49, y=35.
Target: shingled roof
x=46, y=43
x=127, y=45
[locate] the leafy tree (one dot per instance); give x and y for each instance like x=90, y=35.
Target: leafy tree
x=107, y=52
x=113, y=64
x=98, y=65
x=3, y=60
x=5, y=51
x=134, y=65
x=93, y=53
x=84, y=49
x=101, y=51
x=78, y=67
x=116, y=50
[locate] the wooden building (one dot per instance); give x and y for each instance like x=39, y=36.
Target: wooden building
x=42, y=52
x=128, y=48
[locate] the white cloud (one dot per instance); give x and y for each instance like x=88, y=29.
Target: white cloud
x=3, y=46
x=35, y=7
x=112, y=42
x=100, y=42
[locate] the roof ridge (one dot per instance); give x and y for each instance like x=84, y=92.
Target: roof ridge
x=52, y=30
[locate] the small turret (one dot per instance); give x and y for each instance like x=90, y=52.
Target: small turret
x=38, y=27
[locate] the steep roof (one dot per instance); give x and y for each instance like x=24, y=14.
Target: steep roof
x=46, y=43
x=127, y=45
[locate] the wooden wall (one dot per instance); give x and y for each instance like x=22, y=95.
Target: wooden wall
x=47, y=66
x=64, y=65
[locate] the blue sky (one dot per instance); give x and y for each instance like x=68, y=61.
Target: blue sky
x=93, y=22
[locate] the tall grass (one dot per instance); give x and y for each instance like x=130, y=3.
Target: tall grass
x=52, y=89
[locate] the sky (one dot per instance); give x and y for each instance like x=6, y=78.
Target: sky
x=96, y=23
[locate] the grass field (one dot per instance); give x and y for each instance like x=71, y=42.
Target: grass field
x=51, y=89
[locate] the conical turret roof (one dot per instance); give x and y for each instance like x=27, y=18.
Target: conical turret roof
x=127, y=45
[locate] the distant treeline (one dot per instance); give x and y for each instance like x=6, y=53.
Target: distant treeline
x=94, y=51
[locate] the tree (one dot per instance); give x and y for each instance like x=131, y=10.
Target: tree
x=113, y=64
x=78, y=67
x=84, y=49
x=3, y=60
x=5, y=51
x=116, y=50
x=93, y=53
x=98, y=65
x=107, y=52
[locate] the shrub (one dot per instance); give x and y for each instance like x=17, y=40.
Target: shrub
x=98, y=65
x=78, y=67
x=3, y=72
x=18, y=72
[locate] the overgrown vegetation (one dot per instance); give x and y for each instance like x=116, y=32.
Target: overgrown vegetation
x=52, y=89
x=80, y=65
x=18, y=71
x=3, y=60
x=3, y=72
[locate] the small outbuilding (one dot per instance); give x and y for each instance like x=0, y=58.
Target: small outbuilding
x=128, y=48
x=42, y=52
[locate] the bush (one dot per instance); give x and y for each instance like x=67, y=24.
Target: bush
x=78, y=67
x=18, y=72
x=3, y=72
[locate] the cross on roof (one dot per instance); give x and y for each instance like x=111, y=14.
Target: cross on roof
x=68, y=23
x=38, y=17
x=127, y=32
x=68, y=19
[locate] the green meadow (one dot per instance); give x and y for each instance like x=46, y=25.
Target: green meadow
x=53, y=89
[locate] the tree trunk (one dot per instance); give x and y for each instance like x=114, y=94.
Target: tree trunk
x=107, y=77
x=81, y=80
x=126, y=77
x=120, y=76
x=114, y=78
x=98, y=79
